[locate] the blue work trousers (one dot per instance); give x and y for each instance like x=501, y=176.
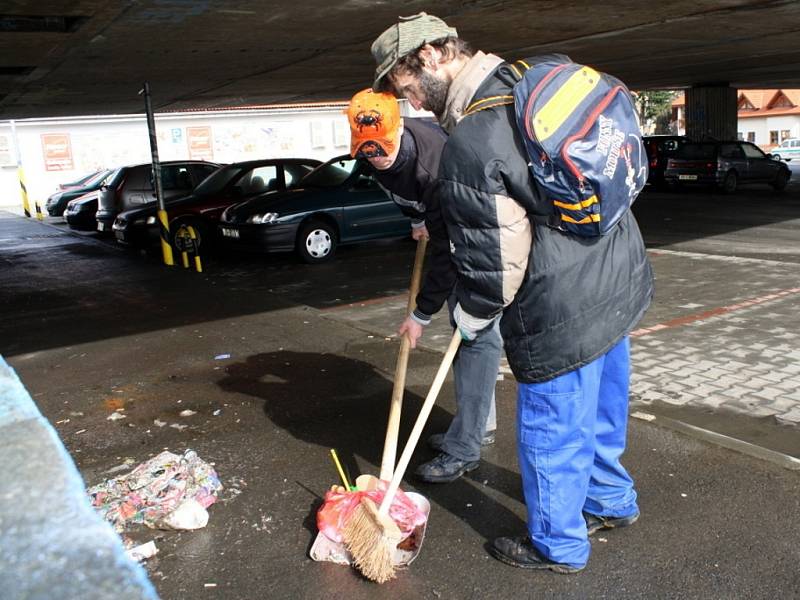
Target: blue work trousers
x=571, y=434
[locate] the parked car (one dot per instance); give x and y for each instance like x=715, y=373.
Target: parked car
x=80, y=212
x=57, y=202
x=339, y=202
x=132, y=186
x=78, y=183
x=787, y=150
x=725, y=164
x=202, y=208
x=660, y=148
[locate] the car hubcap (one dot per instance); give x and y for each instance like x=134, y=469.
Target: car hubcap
x=318, y=243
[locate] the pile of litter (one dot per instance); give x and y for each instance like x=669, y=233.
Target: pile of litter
x=168, y=491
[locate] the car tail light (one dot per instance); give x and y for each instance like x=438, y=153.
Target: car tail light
x=654, y=162
x=711, y=167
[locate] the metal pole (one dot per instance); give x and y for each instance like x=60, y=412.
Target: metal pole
x=26, y=207
x=166, y=247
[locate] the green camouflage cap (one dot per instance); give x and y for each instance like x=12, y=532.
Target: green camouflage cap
x=404, y=37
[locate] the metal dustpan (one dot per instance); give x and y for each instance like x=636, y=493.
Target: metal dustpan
x=325, y=549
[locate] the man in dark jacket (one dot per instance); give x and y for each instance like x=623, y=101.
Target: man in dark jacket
x=567, y=302
x=405, y=154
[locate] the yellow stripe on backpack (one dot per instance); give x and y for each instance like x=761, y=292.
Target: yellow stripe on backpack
x=553, y=114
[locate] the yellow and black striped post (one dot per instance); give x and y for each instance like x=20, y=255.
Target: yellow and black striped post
x=166, y=247
x=26, y=207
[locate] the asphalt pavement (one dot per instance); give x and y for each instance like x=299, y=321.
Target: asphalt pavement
x=281, y=361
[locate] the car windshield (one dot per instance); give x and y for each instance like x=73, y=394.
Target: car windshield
x=215, y=182
x=331, y=174
x=697, y=151
x=97, y=178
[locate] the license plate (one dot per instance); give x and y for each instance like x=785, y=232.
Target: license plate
x=231, y=233
x=101, y=226
x=120, y=236
x=688, y=177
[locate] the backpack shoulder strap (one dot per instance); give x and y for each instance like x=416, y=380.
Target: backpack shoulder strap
x=517, y=69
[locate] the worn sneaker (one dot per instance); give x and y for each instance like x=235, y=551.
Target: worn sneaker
x=595, y=523
x=436, y=441
x=445, y=468
x=519, y=552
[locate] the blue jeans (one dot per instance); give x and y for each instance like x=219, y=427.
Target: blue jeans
x=475, y=375
x=571, y=434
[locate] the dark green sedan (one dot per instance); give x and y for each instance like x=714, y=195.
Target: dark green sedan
x=339, y=202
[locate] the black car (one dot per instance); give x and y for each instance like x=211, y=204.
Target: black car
x=660, y=148
x=339, y=202
x=80, y=212
x=725, y=164
x=57, y=202
x=132, y=186
x=202, y=208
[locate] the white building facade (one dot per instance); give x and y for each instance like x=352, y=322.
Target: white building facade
x=60, y=150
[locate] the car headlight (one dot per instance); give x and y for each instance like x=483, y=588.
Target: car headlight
x=263, y=219
x=151, y=220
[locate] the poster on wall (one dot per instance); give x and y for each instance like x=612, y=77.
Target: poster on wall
x=200, y=143
x=6, y=156
x=57, y=152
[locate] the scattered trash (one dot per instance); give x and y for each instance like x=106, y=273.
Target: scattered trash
x=683, y=495
x=80, y=431
x=217, y=412
x=178, y=426
x=604, y=540
x=125, y=465
x=189, y=515
x=62, y=421
x=158, y=423
x=222, y=356
x=187, y=413
x=75, y=413
x=143, y=551
x=209, y=585
x=115, y=416
x=156, y=489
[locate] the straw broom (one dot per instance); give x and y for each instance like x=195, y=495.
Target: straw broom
x=370, y=534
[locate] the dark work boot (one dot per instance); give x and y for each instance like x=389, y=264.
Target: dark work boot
x=436, y=441
x=519, y=552
x=445, y=468
x=595, y=523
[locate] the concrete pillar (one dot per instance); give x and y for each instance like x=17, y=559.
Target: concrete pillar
x=711, y=112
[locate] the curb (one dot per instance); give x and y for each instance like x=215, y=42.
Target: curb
x=777, y=458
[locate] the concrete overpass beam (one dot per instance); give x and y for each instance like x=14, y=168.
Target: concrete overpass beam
x=711, y=112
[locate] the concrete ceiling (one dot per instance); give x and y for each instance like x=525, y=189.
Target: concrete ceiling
x=61, y=57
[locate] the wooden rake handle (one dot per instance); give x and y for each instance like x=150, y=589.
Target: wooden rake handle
x=424, y=412
x=393, y=427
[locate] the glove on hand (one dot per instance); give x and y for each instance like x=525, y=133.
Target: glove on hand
x=469, y=326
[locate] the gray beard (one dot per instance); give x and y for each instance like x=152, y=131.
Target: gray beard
x=435, y=91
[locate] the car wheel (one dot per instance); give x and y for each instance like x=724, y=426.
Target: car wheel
x=730, y=183
x=781, y=180
x=776, y=156
x=181, y=243
x=316, y=242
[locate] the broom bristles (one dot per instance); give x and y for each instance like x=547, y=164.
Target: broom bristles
x=371, y=538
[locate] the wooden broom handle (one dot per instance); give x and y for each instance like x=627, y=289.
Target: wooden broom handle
x=393, y=427
x=424, y=412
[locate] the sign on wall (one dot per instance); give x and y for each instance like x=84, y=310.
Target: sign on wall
x=6, y=156
x=200, y=143
x=57, y=152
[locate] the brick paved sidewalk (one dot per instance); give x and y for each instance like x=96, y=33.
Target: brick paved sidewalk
x=730, y=339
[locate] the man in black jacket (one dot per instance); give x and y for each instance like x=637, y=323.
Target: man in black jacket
x=404, y=154
x=567, y=302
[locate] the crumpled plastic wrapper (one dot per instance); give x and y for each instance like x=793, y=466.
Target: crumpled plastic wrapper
x=156, y=489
